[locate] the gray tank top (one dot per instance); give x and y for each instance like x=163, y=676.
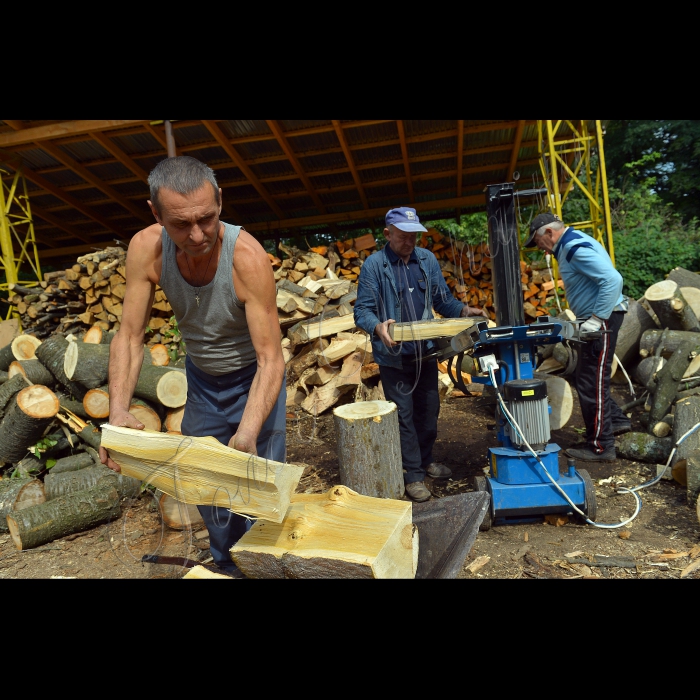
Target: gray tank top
x=215, y=332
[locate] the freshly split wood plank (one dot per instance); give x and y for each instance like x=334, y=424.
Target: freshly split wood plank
x=311, y=329
x=432, y=328
x=202, y=471
x=338, y=534
x=201, y=572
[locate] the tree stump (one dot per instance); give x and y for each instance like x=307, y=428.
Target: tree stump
x=369, y=448
x=72, y=463
x=16, y=494
x=25, y=420
x=63, y=516
x=87, y=364
x=162, y=385
x=637, y=321
x=51, y=353
x=33, y=370
x=672, y=310
x=642, y=447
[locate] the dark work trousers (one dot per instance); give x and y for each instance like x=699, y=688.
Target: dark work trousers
x=215, y=407
x=599, y=409
x=418, y=402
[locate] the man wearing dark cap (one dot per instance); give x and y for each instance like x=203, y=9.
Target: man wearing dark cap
x=403, y=283
x=594, y=293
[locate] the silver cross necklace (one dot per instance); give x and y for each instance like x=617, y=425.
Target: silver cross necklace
x=197, y=287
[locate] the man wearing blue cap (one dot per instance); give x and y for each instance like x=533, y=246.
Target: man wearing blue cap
x=594, y=293
x=403, y=283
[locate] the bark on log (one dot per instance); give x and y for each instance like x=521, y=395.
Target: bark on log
x=338, y=534
x=162, y=385
x=91, y=435
x=16, y=494
x=51, y=353
x=684, y=278
x=671, y=308
x=687, y=414
x=692, y=296
x=369, y=448
x=635, y=323
x=9, y=389
x=3, y=377
x=25, y=420
x=177, y=515
x=63, y=516
x=33, y=370
x=96, y=402
x=200, y=470
x=87, y=364
x=72, y=463
x=24, y=347
x=668, y=379
x=63, y=483
x=647, y=369
x=72, y=406
x=692, y=475
x=6, y=357
x=671, y=340
x=643, y=447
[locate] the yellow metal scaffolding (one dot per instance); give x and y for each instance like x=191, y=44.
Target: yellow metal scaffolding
x=17, y=242
x=572, y=157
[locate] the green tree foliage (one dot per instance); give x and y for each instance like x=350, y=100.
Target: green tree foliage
x=472, y=228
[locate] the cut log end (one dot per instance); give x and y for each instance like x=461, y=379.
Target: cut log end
x=38, y=401
x=96, y=403
x=365, y=409
x=146, y=415
x=159, y=355
x=24, y=347
x=93, y=335
x=172, y=390
x=661, y=291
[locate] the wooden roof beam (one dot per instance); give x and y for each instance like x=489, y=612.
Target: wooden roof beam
x=406, y=165
x=122, y=157
x=74, y=250
x=54, y=131
x=55, y=221
x=215, y=131
x=350, y=161
x=60, y=155
x=516, y=150
x=284, y=144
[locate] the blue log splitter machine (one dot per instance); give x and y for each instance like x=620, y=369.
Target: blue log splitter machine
x=519, y=487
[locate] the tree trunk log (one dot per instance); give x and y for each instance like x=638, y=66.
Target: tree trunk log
x=147, y=414
x=643, y=447
x=671, y=340
x=96, y=402
x=672, y=310
x=687, y=414
x=664, y=427
x=647, y=369
x=24, y=347
x=25, y=421
x=162, y=385
x=177, y=515
x=636, y=322
x=338, y=534
x=561, y=399
x=9, y=389
x=692, y=296
x=369, y=448
x=91, y=435
x=6, y=357
x=63, y=483
x=16, y=494
x=3, y=377
x=63, y=516
x=87, y=364
x=73, y=463
x=668, y=378
x=684, y=278
x=51, y=353
x=692, y=471
x=173, y=419
x=33, y=370
x=72, y=406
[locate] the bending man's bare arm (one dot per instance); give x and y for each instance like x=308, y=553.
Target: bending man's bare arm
x=126, y=349
x=255, y=287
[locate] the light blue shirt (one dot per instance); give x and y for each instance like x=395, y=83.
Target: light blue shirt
x=592, y=284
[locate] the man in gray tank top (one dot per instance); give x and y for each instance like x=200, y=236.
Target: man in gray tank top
x=219, y=282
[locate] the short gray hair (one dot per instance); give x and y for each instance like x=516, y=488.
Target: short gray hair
x=183, y=175
x=554, y=224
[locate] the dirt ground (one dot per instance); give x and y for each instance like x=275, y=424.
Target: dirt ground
x=666, y=525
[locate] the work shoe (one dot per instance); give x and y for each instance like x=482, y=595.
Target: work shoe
x=438, y=471
x=619, y=428
x=586, y=454
x=417, y=492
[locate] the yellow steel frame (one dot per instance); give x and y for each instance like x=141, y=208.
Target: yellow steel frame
x=17, y=241
x=566, y=163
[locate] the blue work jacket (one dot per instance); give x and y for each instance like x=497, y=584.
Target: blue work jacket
x=378, y=300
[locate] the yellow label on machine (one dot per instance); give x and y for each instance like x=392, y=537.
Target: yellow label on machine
x=494, y=467
x=529, y=392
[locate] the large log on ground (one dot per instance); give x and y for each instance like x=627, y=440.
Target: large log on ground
x=33, y=370
x=3, y=377
x=87, y=364
x=686, y=416
x=29, y=414
x=338, y=534
x=643, y=447
x=9, y=389
x=72, y=463
x=684, y=278
x=63, y=483
x=202, y=471
x=645, y=372
x=671, y=340
x=692, y=296
x=432, y=328
x=6, y=357
x=692, y=471
x=177, y=515
x=63, y=516
x=16, y=494
x=369, y=448
x=162, y=385
x=635, y=323
x=668, y=378
x=561, y=400
x=672, y=310
x=51, y=353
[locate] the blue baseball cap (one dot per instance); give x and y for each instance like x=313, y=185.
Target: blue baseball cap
x=405, y=219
